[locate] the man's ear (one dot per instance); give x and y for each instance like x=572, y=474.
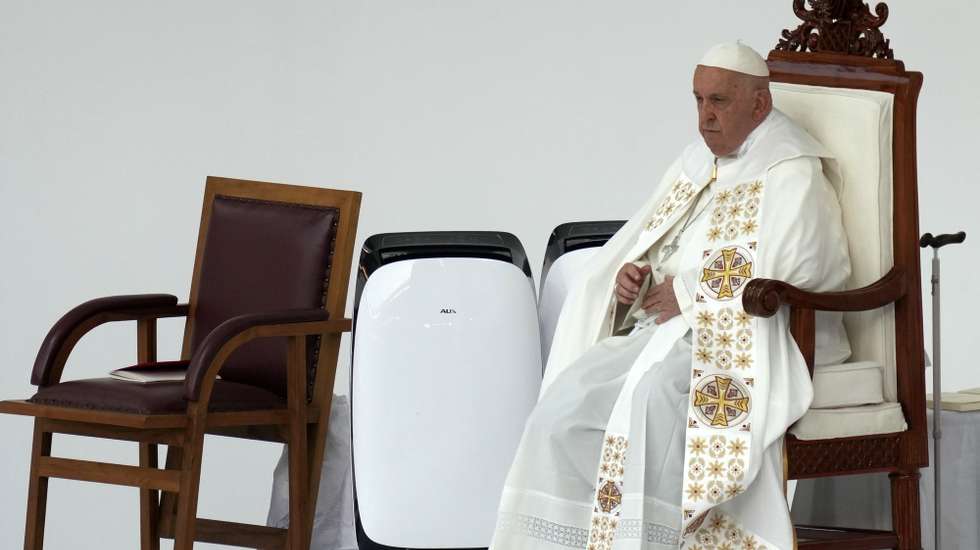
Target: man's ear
x=763, y=104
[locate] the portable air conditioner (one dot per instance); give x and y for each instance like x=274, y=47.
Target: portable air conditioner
x=446, y=368
x=569, y=249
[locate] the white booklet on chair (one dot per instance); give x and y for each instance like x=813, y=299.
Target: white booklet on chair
x=145, y=373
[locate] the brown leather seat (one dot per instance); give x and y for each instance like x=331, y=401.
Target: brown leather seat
x=109, y=394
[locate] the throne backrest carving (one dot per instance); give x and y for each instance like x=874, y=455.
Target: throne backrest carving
x=856, y=126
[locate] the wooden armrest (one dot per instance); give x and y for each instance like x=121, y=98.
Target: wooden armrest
x=228, y=336
x=65, y=333
x=764, y=297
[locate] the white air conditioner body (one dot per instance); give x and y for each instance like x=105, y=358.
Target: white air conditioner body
x=446, y=368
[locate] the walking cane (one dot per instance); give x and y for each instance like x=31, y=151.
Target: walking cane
x=936, y=243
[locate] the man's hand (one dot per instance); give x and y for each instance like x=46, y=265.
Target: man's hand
x=628, y=282
x=661, y=298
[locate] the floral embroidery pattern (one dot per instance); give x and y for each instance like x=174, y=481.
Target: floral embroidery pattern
x=680, y=194
x=724, y=339
x=715, y=469
x=736, y=211
x=720, y=532
x=609, y=493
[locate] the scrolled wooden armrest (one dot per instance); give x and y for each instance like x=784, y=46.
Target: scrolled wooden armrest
x=65, y=333
x=764, y=297
x=231, y=334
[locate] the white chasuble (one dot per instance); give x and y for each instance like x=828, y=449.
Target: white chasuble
x=672, y=436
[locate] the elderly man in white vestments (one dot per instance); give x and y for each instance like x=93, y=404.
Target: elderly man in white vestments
x=661, y=417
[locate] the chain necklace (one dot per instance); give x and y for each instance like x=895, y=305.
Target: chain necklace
x=673, y=246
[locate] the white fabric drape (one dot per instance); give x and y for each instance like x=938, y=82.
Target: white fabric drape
x=333, y=524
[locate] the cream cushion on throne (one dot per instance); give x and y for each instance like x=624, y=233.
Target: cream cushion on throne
x=858, y=398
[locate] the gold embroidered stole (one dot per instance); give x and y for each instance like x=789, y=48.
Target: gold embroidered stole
x=718, y=435
x=724, y=371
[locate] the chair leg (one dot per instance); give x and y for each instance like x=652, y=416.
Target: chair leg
x=299, y=466
x=168, y=501
x=149, y=503
x=298, y=487
x=190, y=478
x=37, y=492
x=316, y=451
x=312, y=481
x=905, y=509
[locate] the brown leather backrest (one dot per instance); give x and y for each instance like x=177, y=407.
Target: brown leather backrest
x=261, y=256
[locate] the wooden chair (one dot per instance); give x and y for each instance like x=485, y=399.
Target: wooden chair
x=884, y=318
x=266, y=311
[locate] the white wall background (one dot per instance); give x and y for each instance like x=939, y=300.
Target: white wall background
x=507, y=115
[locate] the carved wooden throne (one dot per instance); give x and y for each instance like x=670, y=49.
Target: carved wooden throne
x=836, y=75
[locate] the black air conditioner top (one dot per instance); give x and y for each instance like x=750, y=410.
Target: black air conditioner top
x=386, y=248
x=571, y=236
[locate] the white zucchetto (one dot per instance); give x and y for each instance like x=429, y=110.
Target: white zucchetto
x=737, y=57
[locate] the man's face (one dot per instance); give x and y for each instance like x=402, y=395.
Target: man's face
x=730, y=106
